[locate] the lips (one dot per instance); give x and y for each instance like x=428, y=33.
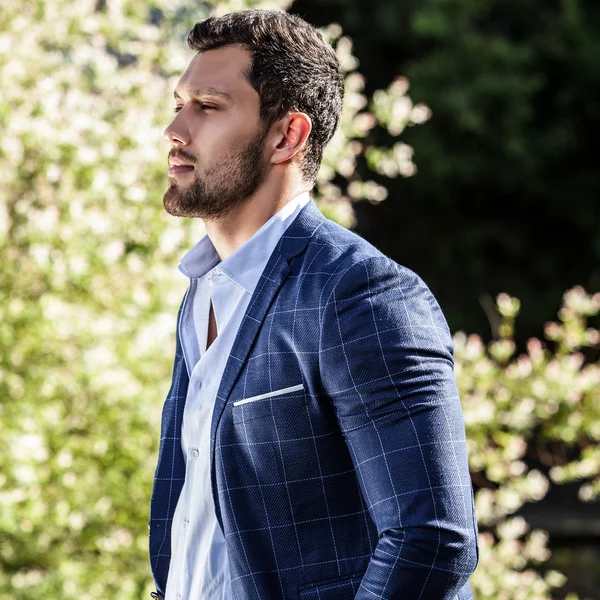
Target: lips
x=176, y=166
x=173, y=170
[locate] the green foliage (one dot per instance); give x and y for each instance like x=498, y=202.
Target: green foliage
x=515, y=406
x=89, y=293
x=507, y=193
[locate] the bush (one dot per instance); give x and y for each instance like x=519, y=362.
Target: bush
x=513, y=407
x=507, y=193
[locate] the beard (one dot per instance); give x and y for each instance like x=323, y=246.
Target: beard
x=224, y=185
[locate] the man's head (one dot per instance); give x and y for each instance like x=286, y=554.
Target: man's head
x=263, y=92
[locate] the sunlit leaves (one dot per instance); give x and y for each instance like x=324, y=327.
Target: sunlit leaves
x=515, y=407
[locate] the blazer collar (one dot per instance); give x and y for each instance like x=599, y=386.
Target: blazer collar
x=298, y=234
x=292, y=243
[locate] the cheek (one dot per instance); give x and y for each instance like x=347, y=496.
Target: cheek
x=217, y=135
x=210, y=139
x=234, y=130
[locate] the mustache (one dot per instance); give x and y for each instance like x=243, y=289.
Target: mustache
x=183, y=155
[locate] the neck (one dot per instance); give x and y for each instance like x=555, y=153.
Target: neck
x=231, y=230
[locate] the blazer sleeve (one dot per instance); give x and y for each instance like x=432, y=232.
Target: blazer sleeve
x=386, y=360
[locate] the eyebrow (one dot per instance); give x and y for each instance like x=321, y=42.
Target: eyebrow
x=208, y=91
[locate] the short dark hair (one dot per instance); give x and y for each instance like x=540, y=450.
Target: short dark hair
x=292, y=68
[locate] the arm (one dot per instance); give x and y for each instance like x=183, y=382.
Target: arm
x=386, y=362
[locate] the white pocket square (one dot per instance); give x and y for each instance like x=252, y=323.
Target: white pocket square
x=287, y=390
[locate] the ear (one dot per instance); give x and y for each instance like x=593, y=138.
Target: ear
x=291, y=135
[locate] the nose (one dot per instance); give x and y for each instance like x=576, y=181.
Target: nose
x=176, y=132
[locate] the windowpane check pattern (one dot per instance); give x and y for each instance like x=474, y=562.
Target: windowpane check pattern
x=339, y=465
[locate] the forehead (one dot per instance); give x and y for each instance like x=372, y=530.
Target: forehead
x=221, y=69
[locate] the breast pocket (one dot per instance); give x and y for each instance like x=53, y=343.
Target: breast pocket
x=274, y=404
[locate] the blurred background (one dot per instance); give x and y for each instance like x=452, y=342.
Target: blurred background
x=465, y=153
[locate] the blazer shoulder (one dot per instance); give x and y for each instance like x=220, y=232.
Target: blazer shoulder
x=337, y=250
x=363, y=278
x=336, y=243
x=352, y=267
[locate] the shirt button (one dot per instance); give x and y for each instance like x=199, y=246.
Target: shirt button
x=178, y=597
x=214, y=276
x=195, y=454
x=186, y=524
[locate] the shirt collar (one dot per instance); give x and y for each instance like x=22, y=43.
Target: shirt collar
x=246, y=264
x=200, y=259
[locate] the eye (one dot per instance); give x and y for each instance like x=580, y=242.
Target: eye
x=201, y=105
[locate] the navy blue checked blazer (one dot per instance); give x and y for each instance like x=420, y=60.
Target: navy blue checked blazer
x=338, y=455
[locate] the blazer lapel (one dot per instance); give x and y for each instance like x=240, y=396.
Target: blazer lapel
x=292, y=243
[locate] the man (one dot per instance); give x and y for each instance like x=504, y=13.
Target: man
x=312, y=441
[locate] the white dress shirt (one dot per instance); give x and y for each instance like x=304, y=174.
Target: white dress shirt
x=199, y=568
